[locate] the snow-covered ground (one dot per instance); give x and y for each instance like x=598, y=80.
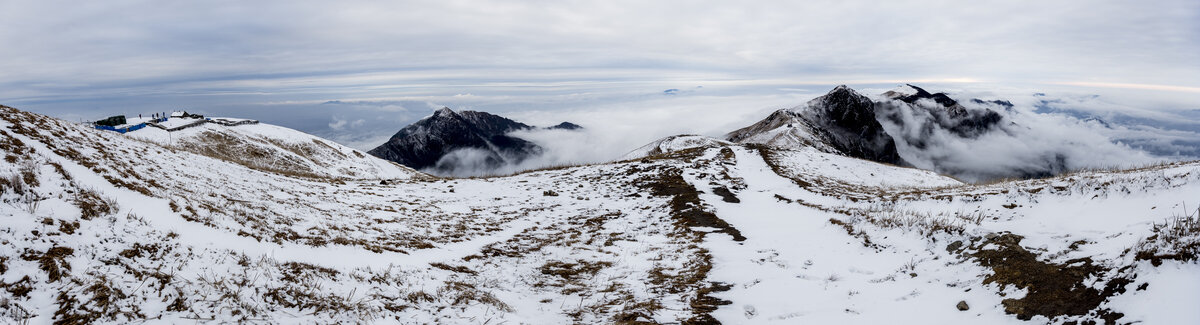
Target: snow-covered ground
x=796, y=266
x=818, y=167
x=259, y=223
x=276, y=149
x=800, y=264
x=672, y=144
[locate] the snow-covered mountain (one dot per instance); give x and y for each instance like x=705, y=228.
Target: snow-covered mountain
x=974, y=140
x=841, y=121
x=100, y=227
x=565, y=126
x=448, y=139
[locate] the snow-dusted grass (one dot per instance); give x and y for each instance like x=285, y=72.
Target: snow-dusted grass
x=189, y=237
x=885, y=246
x=278, y=150
x=101, y=227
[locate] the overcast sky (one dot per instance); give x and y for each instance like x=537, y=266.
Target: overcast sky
x=356, y=71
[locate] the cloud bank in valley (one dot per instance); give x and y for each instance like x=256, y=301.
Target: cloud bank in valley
x=1029, y=142
x=612, y=130
x=1022, y=144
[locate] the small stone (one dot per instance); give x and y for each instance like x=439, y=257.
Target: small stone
x=962, y=305
x=954, y=246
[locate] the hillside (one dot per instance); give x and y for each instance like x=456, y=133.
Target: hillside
x=672, y=144
x=276, y=149
x=108, y=228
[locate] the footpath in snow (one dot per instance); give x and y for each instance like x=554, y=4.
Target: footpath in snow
x=796, y=265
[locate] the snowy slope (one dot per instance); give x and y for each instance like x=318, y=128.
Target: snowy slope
x=102, y=228
x=784, y=128
x=276, y=149
x=817, y=167
x=907, y=256
x=672, y=144
x=207, y=239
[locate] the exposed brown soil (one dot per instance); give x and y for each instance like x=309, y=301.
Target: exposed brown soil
x=726, y=195
x=1053, y=289
x=687, y=210
x=686, y=204
x=1157, y=259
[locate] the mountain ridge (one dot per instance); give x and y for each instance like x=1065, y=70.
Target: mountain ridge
x=432, y=143
x=840, y=121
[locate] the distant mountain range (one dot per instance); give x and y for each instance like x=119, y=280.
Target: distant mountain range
x=428, y=143
x=968, y=138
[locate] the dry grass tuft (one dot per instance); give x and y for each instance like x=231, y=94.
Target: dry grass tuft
x=53, y=261
x=92, y=204
x=1177, y=238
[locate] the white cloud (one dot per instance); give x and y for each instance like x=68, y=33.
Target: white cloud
x=1024, y=143
x=337, y=124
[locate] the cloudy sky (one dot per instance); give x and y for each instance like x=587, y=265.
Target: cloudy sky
x=356, y=71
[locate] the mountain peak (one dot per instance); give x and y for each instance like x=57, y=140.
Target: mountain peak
x=902, y=91
x=424, y=143
x=444, y=111
x=843, y=91
x=840, y=121
x=565, y=126
x=920, y=91
x=940, y=98
x=840, y=96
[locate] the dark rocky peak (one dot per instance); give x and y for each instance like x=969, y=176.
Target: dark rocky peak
x=1002, y=103
x=946, y=113
x=1098, y=121
x=565, y=126
x=841, y=121
x=843, y=107
x=491, y=124
x=940, y=98
x=848, y=122
x=431, y=143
